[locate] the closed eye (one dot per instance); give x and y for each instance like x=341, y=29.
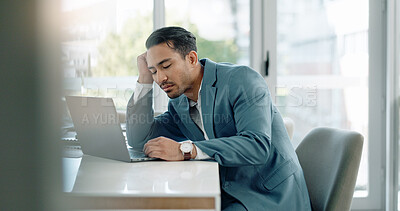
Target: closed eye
x=166, y=67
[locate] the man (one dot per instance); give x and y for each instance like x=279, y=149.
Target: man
x=216, y=111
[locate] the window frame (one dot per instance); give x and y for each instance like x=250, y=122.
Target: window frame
x=392, y=105
x=377, y=95
x=160, y=98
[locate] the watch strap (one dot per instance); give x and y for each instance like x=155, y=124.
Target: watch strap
x=187, y=156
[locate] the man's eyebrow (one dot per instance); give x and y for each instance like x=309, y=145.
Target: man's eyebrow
x=160, y=63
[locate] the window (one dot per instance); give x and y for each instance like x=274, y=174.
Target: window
x=102, y=38
x=322, y=53
x=100, y=43
x=222, y=30
x=329, y=66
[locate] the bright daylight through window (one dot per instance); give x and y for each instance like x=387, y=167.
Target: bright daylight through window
x=102, y=38
x=323, y=68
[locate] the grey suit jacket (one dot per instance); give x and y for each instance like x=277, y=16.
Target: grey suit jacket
x=258, y=165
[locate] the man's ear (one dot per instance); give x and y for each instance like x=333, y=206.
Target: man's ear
x=192, y=57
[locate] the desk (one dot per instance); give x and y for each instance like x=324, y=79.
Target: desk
x=107, y=184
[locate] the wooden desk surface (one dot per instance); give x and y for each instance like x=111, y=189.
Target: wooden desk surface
x=102, y=184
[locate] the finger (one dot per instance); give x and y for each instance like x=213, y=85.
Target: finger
x=143, y=55
x=155, y=154
x=146, y=148
x=150, y=148
x=152, y=143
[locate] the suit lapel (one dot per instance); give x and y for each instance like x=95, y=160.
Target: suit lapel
x=207, y=109
x=208, y=91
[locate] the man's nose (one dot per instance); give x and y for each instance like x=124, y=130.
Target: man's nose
x=161, y=77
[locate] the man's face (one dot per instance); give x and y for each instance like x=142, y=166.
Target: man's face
x=170, y=71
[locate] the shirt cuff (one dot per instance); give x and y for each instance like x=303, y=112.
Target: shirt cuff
x=141, y=90
x=200, y=154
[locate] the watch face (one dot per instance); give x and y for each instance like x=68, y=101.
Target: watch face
x=186, y=147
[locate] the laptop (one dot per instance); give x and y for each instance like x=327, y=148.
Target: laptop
x=99, y=131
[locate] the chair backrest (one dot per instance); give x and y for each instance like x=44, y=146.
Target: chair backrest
x=330, y=159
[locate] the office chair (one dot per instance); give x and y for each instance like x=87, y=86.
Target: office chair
x=330, y=159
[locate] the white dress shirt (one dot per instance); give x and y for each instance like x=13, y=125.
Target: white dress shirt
x=142, y=89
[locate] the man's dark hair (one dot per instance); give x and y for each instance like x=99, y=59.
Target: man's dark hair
x=176, y=38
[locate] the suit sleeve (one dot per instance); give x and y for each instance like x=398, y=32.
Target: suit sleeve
x=141, y=125
x=253, y=112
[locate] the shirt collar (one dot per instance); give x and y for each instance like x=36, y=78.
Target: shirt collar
x=191, y=102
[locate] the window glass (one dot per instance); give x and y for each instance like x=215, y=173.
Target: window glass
x=322, y=64
x=222, y=30
x=100, y=42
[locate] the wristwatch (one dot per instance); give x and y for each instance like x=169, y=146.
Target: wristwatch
x=186, y=148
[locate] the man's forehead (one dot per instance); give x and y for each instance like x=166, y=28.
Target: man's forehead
x=159, y=53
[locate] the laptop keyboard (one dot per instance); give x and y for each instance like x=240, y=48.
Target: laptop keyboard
x=135, y=154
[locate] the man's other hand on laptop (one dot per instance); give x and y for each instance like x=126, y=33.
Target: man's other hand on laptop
x=166, y=149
